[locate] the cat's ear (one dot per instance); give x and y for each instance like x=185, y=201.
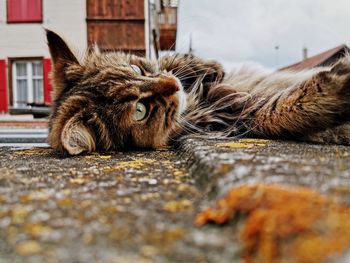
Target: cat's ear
x=66, y=67
x=77, y=138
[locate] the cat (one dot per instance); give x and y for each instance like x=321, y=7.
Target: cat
x=118, y=101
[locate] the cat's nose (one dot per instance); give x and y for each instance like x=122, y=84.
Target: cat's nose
x=166, y=85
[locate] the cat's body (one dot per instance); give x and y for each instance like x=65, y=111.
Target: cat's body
x=115, y=101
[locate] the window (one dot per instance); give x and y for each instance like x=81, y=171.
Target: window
x=27, y=83
x=172, y=18
x=162, y=18
x=24, y=11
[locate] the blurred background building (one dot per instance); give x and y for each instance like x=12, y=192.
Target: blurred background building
x=324, y=59
x=143, y=27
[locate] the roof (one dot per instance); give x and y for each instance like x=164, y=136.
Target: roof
x=322, y=59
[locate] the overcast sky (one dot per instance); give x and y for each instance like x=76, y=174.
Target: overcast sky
x=234, y=31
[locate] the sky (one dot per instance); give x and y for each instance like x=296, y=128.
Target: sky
x=237, y=31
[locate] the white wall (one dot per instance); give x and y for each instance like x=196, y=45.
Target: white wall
x=151, y=22
x=66, y=17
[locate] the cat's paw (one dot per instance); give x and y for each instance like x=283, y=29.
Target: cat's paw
x=334, y=84
x=189, y=68
x=331, y=91
x=340, y=78
x=342, y=66
x=214, y=72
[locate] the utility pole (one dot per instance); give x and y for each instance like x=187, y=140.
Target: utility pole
x=277, y=62
x=305, y=53
x=190, y=48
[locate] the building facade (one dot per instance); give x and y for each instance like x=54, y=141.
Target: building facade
x=24, y=56
x=168, y=25
x=25, y=63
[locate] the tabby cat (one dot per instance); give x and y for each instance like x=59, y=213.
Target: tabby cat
x=118, y=101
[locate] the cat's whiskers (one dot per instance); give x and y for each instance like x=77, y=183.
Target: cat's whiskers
x=184, y=70
x=203, y=71
x=184, y=66
x=223, y=103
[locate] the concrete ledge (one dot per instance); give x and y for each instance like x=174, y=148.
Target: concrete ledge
x=264, y=187
x=157, y=206
x=107, y=207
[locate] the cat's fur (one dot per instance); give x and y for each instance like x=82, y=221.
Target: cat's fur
x=94, y=101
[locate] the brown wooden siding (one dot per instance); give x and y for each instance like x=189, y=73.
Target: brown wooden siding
x=168, y=28
x=116, y=24
x=125, y=36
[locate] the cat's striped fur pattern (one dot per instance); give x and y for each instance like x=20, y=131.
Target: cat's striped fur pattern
x=116, y=101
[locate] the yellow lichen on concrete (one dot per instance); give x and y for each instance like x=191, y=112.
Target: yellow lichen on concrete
x=29, y=247
x=134, y=164
x=98, y=157
x=79, y=180
x=19, y=214
x=163, y=239
x=33, y=151
x=37, y=229
x=3, y=199
x=224, y=168
x=178, y=173
x=251, y=140
x=64, y=202
x=244, y=143
x=235, y=145
x=284, y=222
x=177, y=206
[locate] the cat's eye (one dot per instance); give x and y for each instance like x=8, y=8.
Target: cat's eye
x=140, y=112
x=136, y=69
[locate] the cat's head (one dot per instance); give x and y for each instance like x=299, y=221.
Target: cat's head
x=110, y=101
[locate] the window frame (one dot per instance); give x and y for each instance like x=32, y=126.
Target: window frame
x=30, y=90
x=26, y=20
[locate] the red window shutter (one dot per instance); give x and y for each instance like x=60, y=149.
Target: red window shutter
x=19, y=11
x=47, y=83
x=3, y=87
